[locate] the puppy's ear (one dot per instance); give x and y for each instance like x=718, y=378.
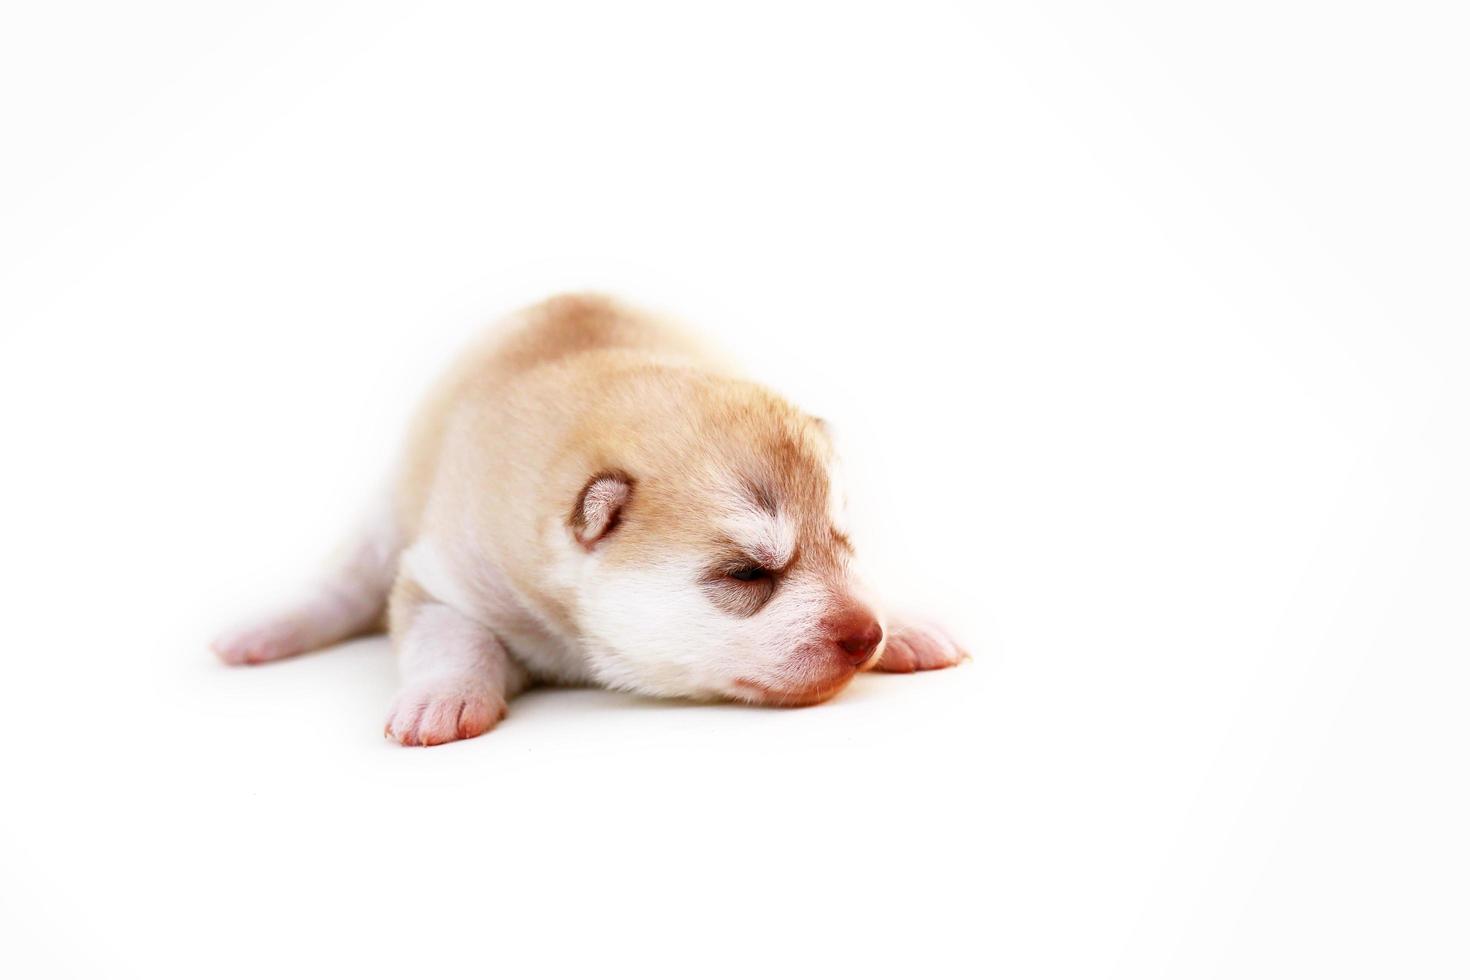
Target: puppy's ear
x=599, y=506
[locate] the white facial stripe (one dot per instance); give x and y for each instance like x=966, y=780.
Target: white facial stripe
x=654, y=630
x=768, y=538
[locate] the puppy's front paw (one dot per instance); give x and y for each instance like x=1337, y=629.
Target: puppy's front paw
x=433, y=714
x=919, y=646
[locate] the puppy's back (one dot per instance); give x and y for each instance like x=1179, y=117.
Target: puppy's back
x=555, y=331
x=564, y=326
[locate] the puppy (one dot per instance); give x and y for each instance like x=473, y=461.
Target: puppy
x=589, y=497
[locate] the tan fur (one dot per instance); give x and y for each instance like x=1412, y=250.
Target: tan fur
x=581, y=384
x=591, y=496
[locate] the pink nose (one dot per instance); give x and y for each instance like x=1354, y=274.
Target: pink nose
x=857, y=635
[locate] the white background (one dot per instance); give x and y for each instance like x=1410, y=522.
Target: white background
x=1145, y=328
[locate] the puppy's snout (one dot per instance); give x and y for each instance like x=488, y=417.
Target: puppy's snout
x=857, y=634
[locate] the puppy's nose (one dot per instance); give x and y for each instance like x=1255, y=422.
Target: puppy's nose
x=857, y=634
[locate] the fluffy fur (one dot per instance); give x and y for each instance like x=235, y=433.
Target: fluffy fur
x=590, y=497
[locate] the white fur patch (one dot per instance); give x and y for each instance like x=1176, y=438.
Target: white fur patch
x=429, y=566
x=654, y=630
x=440, y=641
x=768, y=538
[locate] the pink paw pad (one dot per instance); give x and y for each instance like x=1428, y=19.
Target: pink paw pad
x=919, y=647
x=437, y=715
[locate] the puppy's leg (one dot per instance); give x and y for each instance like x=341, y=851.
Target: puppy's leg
x=456, y=676
x=915, y=646
x=348, y=601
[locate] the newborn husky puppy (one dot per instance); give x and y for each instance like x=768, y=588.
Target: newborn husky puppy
x=589, y=498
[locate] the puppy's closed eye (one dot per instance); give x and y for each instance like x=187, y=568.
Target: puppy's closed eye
x=740, y=589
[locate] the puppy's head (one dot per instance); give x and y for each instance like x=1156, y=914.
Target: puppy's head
x=710, y=556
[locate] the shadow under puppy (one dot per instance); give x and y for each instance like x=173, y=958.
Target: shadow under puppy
x=589, y=497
